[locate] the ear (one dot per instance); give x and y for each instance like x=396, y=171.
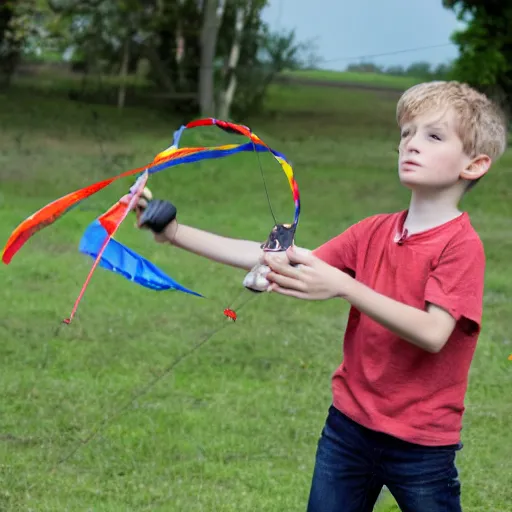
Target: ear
x=476, y=168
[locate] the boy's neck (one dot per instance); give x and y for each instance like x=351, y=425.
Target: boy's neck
x=426, y=211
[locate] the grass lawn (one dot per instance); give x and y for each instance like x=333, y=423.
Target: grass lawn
x=234, y=427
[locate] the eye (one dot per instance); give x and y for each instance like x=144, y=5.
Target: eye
x=404, y=134
x=435, y=136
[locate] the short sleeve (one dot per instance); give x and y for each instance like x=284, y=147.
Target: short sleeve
x=456, y=283
x=341, y=251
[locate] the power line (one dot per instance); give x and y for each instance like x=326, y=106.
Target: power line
x=367, y=56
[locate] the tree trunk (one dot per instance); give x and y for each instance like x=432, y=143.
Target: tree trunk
x=123, y=74
x=212, y=15
x=226, y=96
x=180, y=49
x=10, y=55
x=162, y=76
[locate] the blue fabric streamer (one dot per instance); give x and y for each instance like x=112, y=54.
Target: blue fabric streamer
x=121, y=260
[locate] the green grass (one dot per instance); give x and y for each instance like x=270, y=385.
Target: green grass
x=235, y=425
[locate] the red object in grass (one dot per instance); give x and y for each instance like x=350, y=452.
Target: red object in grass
x=230, y=314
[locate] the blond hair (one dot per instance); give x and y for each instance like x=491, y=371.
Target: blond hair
x=482, y=126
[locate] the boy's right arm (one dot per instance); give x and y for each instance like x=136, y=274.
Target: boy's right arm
x=160, y=217
x=244, y=254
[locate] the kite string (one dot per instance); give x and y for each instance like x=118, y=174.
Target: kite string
x=153, y=382
x=167, y=370
x=203, y=340
x=264, y=183
x=195, y=347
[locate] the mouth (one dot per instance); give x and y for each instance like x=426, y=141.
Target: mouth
x=411, y=164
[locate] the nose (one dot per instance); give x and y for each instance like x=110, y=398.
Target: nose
x=411, y=144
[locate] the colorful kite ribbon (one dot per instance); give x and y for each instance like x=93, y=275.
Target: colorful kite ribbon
x=170, y=157
x=98, y=240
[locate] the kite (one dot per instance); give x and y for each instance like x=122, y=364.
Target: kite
x=98, y=240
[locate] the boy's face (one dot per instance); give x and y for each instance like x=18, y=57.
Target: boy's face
x=431, y=154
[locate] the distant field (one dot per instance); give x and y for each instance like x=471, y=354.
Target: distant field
x=374, y=79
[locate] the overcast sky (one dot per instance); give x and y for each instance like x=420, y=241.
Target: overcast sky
x=343, y=29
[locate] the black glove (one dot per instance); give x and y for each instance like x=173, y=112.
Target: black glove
x=157, y=215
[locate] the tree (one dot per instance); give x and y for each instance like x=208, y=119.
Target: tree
x=18, y=23
x=8, y=51
x=419, y=70
x=485, y=46
x=275, y=52
x=364, y=67
x=207, y=57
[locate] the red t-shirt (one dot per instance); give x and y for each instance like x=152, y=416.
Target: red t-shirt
x=384, y=382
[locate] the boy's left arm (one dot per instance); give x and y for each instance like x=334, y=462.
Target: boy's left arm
x=453, y=292
x=428, y=329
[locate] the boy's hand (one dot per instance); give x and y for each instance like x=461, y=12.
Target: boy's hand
x=142, y=203
x=157, y=215
x=256, y=279
x=304, y=276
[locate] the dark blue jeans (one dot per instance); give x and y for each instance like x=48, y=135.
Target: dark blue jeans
x=354, y=463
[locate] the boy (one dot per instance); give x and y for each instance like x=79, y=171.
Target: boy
x=414, y=280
